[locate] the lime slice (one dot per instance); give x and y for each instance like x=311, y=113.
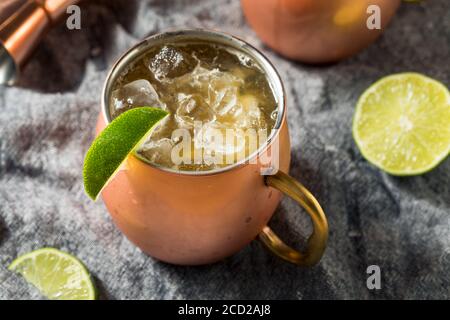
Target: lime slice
x=58, y=275
x=113, y=145
x=402, y=124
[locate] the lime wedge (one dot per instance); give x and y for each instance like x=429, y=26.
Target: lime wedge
x=113, y=145
x=402, y=124
x=58, y=275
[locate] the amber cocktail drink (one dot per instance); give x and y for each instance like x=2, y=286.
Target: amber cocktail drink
x=218, y=99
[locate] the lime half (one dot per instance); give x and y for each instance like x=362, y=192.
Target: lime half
x=57, y=275
x=402, y=124
x=112, y=146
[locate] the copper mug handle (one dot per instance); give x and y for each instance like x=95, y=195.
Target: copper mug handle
x=318, y=239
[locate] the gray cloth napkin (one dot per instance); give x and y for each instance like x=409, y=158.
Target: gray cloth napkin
x=399, y=224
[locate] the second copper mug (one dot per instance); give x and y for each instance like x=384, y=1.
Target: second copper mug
x=317, y=31
x=192, y=218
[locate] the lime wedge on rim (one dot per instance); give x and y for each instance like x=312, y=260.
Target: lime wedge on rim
x=112, y=146
x=402, y=124
x=56, y=274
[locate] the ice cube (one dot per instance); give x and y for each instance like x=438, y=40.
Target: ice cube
x=252, y=117
x=169, y=63
x=139, y=93
x=199, y=79
x=220, y=80
x=223, y=146
x=158, y=151
x=192, y=107
x=206, y=82
x=239, y=111
x=224, y=100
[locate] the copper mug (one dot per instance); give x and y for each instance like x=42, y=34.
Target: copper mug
x=317, y=31
x=192, y=218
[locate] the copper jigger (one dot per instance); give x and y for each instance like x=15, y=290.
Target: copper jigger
x=23, y=29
